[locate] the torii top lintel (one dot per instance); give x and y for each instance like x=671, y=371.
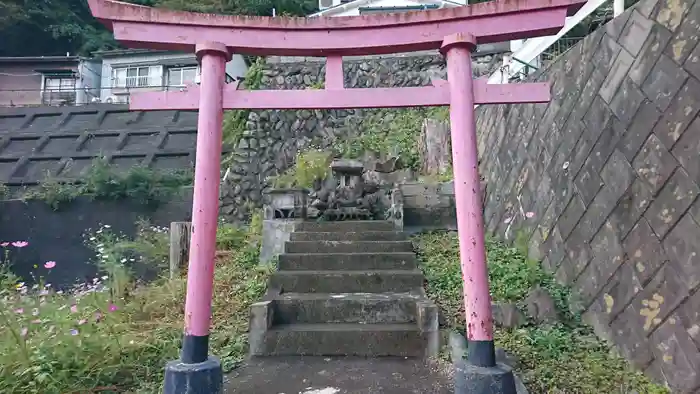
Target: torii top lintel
x=493, y=21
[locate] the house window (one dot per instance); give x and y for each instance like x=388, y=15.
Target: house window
x=136, y=77
x=59, y=90
x=181, y=76
x=396, y=9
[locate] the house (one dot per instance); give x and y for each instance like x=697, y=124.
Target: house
x=48, y=80
x=134, y=70
x=367, y=7
x=335, y=8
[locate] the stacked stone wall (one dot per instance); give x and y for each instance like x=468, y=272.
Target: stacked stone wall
x=272, y=138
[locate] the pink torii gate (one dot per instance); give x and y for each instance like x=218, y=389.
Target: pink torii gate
x=455, y=31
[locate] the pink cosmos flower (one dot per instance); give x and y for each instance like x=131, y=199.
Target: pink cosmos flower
x=530, y=215
x=74, y=308
x=19, y=310
x=20, y=244
x=81, y=322
x=4, y=244
x=49, y=264
x=24, y=331
x=112, y=308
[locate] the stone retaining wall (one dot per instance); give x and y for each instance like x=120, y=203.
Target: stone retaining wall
x=608, y=177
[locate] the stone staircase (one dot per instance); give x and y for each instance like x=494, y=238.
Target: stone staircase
x=348, y=288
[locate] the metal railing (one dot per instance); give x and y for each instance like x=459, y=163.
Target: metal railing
x=538, y=52
x=559, y=48
x=73, y=97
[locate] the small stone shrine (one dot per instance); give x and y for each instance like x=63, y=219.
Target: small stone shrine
x=345, y=195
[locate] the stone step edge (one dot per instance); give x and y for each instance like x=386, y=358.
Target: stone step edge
x=417, y=296
x=349, y=272
x=324, y=241
x=345, y=222
x=262, y=316
x=352, y=232
x=387, y=254
x=350, y=236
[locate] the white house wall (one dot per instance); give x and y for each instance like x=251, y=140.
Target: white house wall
x=235, y=68
x=351, y=9
x=355, y=11
x=151, y=59
x=88, y=85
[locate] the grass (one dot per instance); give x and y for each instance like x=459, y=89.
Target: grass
x=563, y=358
x=111, y=336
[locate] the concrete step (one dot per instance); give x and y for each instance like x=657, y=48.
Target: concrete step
x=347, y=261
x=364, y=308
x=392, y=281
x=348, y=246
x=346, y=226
x=367, y=340
x=350, y=236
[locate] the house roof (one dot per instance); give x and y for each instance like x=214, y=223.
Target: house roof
x=124, y=52
x=40, y=59
x=364, y=3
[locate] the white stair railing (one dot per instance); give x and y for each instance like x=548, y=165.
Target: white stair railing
x=531, y=49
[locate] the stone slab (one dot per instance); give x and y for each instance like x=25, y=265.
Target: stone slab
x=347, y=261
x=275, y=233
x=397, y=281
x=654, y=164
x=338, y=375
x=671, y=203
x=361, y=308
x=364, y=340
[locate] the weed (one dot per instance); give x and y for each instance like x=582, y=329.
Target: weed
x=445, y=176
x=235, y=121
x=140, y=184
x=311, y=166
x=317, y=85
x=563, y=358
x=390, y=132
x=230, y=237
x=52, y=192
x=101, y=181
x=4, y=191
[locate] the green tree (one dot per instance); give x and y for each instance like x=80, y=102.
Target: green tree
x=53, y=26
x=59, y=26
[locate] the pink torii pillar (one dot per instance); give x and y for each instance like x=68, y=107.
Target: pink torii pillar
x=205, y=202
x=470, y=219
x=455, y=31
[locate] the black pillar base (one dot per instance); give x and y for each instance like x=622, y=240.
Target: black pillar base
x=472, y=379
x=476, y=370
x=200, y=378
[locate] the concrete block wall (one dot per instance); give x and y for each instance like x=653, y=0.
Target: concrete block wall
x=608, y=176
x=429, y=206
x=63, y=141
